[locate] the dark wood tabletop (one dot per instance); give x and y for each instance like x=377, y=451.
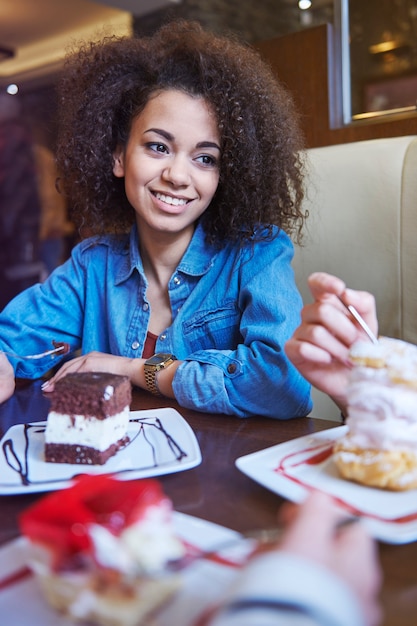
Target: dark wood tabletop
x=217, y=491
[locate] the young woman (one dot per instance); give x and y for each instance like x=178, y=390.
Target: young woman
x=180, y=155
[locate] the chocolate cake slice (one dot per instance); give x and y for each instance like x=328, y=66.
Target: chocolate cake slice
x=88, y=418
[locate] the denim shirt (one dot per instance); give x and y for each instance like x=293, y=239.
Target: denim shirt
x=232, y=310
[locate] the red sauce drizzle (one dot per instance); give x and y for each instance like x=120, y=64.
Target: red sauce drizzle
x=319, y=454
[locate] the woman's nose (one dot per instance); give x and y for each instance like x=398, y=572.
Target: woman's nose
x=177, y=171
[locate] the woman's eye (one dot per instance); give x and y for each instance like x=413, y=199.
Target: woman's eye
x=157, y=147
x=207, y=159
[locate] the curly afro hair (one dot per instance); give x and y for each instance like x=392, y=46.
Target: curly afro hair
x=107, y=84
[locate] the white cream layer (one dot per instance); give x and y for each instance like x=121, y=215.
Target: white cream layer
x=381, y=414
x=82, y=431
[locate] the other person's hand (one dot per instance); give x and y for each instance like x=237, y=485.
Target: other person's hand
x=312, y=533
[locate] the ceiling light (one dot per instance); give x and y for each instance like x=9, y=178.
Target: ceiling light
x=304, y=4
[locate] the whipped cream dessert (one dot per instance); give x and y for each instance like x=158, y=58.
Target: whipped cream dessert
x=144, y=547
x=380, y=448
x=88, y=418
x=109, y=563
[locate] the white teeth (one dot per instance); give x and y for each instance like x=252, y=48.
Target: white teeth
x=170, y=199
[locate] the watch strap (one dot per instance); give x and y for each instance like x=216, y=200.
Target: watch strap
x=150, y=380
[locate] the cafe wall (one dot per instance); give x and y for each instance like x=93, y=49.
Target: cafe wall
x=302, y=48
x=253, y=21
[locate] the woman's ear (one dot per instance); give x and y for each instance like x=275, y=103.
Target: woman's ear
x=118, y=163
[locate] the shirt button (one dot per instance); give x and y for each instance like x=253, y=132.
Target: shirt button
x=145, y=306
x=162, y=337
x=231, y=368
x=177, y=280
x=135, y=345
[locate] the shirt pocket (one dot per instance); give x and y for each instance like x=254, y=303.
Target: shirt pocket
x=214, y=329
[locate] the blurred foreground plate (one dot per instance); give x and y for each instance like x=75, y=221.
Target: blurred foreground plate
x=204, y=582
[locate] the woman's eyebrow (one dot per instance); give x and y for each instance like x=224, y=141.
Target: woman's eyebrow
x=161, y=132
x=169, y=137
x=208, y=144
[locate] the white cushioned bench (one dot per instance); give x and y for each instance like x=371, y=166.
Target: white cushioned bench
x=362, y=200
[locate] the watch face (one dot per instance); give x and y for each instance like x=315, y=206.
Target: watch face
x=156, y=359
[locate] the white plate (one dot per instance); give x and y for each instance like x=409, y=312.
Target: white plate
x=162, y=442
x=293, y=468
x=204, y=581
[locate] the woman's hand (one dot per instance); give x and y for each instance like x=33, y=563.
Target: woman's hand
x=7, y=379
x=320, y=346
x=124, y=366
x=96, y=362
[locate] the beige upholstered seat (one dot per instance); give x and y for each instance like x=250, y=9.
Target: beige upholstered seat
x=362, y=199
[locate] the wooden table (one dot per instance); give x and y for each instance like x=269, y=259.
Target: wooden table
x=217, y=491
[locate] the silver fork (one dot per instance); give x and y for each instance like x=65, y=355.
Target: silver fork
x=59, y=348
x=360, y=321
x=255, y=539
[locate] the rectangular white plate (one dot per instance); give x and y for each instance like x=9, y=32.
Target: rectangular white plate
x=161, y=442
x=203, y=583
x=293, y=468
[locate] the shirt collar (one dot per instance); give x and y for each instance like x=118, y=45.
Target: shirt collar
x=197, y=260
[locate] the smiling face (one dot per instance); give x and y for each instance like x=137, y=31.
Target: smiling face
x=170, y=164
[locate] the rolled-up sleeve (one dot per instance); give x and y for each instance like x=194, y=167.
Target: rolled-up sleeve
x=279, y=589
x=256, y=377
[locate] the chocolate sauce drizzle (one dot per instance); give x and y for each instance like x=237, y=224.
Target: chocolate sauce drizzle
x=20, y=464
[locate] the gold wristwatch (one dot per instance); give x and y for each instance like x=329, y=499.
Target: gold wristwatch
x=157, y=362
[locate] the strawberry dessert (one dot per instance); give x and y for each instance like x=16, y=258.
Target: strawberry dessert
x=104, y=550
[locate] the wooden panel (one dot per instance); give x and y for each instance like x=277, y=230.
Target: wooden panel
x=304, y=61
